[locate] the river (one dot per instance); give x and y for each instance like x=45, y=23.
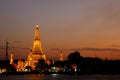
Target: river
x=59, y=77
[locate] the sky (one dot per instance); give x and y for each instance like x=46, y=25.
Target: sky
x=91, y=27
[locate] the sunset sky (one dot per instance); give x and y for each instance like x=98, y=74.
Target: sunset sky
x=91, y=27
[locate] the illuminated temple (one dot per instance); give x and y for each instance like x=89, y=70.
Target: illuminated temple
x=36, y=53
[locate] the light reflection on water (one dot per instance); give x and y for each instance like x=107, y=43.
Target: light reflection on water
x=59, y=77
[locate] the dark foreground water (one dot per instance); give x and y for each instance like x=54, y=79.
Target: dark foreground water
x=59, y=77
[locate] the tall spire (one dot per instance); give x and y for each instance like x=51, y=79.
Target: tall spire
x=11, y=58
x=36, y=52
x=37, y=32
x=61, y=56
x=7, y=50
x=37, y=49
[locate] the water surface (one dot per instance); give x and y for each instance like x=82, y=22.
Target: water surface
x=59, y=77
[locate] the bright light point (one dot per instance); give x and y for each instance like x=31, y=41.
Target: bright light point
x=54, y=74
x=75, y=69
x=37, y=26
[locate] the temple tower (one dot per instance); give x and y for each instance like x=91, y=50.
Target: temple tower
x=61, y=56
x=37, y=49
x=36, y=52
x=11, y=58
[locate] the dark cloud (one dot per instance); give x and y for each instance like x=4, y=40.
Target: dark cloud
x=96, y=49
x=55, y=49
x=90, y=49
x=2, y=47
x=17, y=41
x=18, y=48
x=116, y=45
x=59, y=49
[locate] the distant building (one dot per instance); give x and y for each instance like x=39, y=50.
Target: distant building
x=20, y=66
x=36, y=53
x=61, y=56
x=11, y=58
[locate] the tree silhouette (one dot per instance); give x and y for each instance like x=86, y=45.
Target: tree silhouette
x=74, y=57
x=41, y=66
x=75, y=61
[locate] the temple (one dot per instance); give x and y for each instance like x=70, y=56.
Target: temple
x=61, y=56
x=36, y=53
x=11, y=58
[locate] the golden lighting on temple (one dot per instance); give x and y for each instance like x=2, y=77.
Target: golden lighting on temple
x=36, y=52
x=61, y=56
x=11, y=58
x=34, y=55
